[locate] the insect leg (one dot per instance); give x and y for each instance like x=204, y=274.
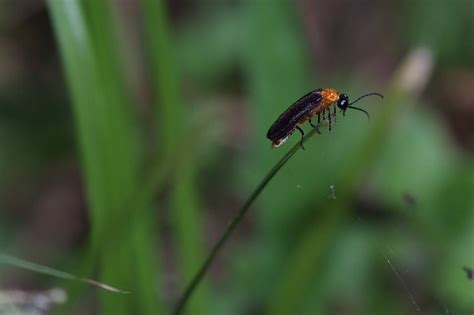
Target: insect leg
x=334, y=113
x=302, y=135
x=329, y=119
x=319, y=123
x=316, y=126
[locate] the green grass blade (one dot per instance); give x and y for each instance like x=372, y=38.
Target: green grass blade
x=172, y=127
x=169, y=112
x=109, y=146
x=49, y=271
x=186, y=219
x=234, y=223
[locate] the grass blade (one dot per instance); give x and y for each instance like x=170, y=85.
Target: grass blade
x=37, y=268
x=110, y=149
x=234, y=223
x=171, y=122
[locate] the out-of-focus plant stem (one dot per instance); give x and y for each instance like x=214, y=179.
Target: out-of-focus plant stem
x=172, y=130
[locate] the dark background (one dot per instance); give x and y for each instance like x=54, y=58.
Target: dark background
x=132, y=131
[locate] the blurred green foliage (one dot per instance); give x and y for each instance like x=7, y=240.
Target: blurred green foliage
x=367, y=218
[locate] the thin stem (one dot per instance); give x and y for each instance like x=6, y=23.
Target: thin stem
x=34, y=267
x=233, y=224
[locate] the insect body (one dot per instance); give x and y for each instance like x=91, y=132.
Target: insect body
x=314, y=103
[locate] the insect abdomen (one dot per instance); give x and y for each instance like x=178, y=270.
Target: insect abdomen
x=290, y=118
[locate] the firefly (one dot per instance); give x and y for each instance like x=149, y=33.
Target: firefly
x=315, y=103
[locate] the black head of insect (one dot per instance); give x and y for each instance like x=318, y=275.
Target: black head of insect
x=343, y=103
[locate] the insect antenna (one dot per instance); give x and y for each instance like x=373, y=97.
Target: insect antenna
x=365, y=95
x=360, y=109
x=361, y=97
